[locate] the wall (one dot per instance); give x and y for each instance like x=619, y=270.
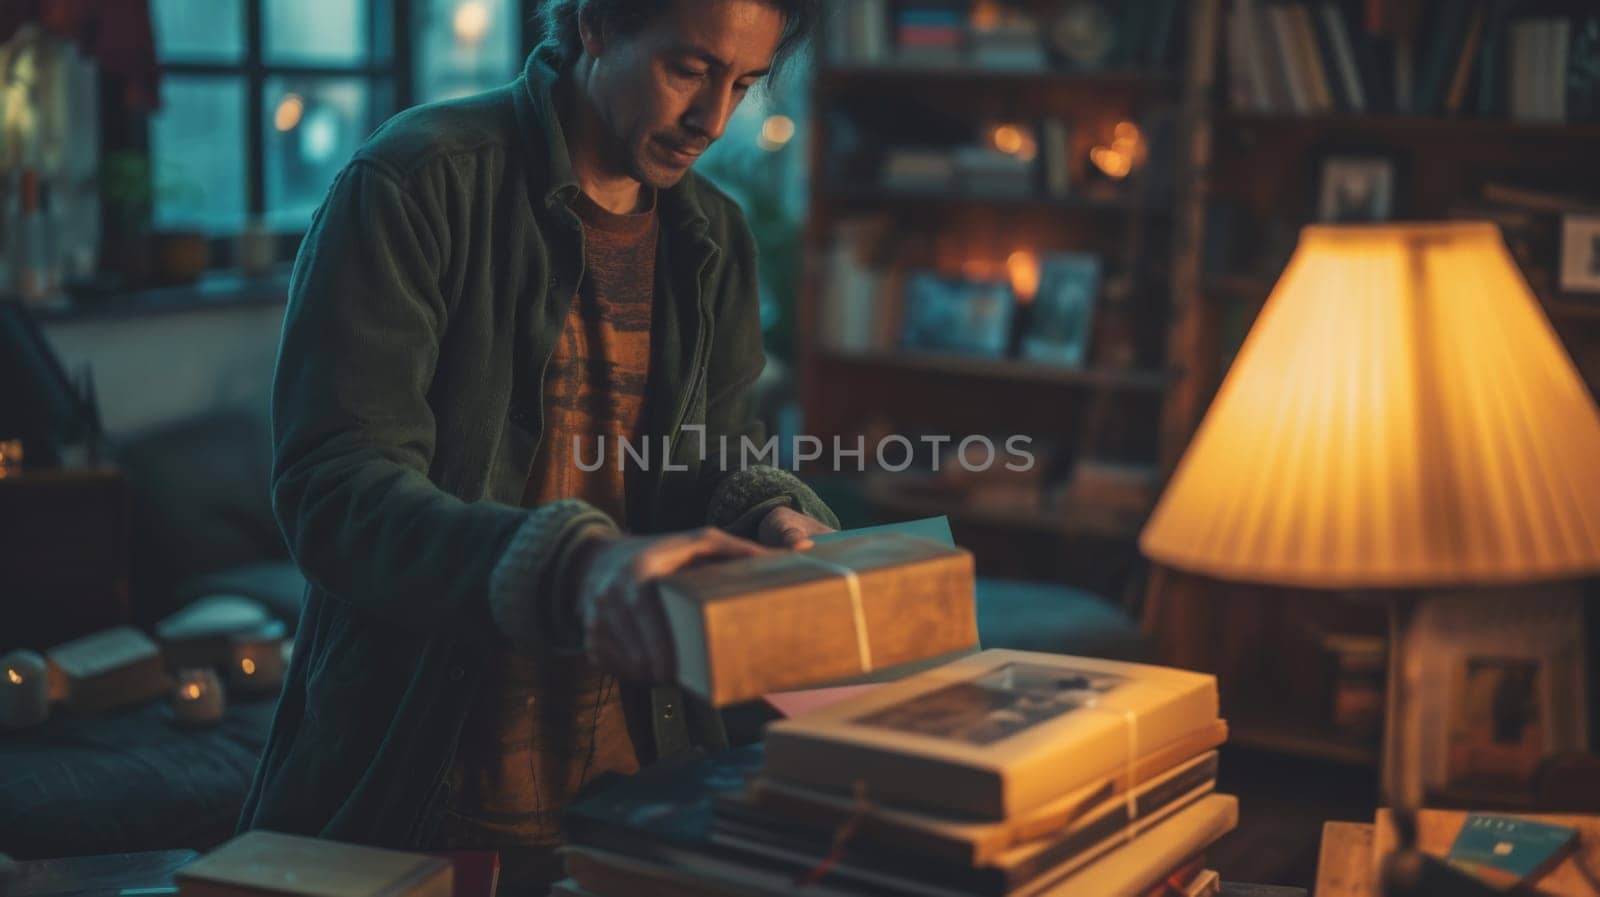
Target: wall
x=152, y=370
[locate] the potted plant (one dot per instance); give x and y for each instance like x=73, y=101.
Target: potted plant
x=134, y=248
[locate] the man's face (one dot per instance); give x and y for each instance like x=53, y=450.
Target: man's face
x=665, y=92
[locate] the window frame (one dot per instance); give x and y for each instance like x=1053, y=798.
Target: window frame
x=387, y=75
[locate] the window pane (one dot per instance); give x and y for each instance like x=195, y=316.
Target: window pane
x=464, y=47
x=313, y=127
x=322, y=32
x=199, y=30
x=197, y=153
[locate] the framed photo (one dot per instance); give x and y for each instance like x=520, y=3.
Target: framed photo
x=1580, y=254
x=944, y=314
x=1356, y=188
x=1501, y=685
x=1060, y=322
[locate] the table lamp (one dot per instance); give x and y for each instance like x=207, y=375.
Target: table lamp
x=1400, y=418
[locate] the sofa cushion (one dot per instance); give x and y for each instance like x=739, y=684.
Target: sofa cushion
x=128, y=781
x=276, y=584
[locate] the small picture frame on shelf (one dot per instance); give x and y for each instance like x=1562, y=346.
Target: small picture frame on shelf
x=1062, y=317
x=945, y=314
x=1580, y=253
x=1356, y=187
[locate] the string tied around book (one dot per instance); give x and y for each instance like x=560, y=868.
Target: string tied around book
x=842, y=835
x=858, y=611
x=1130, y=801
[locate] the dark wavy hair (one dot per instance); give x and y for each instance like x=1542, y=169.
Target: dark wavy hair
x=557, y=23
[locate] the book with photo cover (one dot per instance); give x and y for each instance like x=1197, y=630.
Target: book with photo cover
x=740, y=826
x=1061, y=319
x=966, y=842
x=944, y=314
x=1003, y=732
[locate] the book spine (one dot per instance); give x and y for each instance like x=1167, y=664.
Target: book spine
x=1288, y=55
x=1316, y=67
x=1456, y=97
x=1560, y=44
x=1344, y=57
x=1492, y=67
x=1521, y=69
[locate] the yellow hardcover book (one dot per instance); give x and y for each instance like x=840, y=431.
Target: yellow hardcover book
x=752, y=626
x=1132, y=869
x=983, y=843
x=262, y=863
x=1002, y=732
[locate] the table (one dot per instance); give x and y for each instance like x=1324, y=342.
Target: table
x=1344, y=865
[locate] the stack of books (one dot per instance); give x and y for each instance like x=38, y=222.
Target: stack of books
x=1005, y=773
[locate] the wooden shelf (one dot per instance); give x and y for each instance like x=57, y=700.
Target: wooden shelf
x=1002, y=370
x=919, y=201
x=893, y=76
x=1301, y=740
x=1573, y=309
x=1416, y=127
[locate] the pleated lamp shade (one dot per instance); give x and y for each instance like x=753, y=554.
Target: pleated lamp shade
x=1401, y=415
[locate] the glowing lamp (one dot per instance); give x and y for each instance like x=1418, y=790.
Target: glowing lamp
x=1403, y=421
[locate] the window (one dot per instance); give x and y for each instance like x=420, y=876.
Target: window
x=264, y=101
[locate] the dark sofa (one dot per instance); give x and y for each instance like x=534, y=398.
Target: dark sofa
x=132, y=780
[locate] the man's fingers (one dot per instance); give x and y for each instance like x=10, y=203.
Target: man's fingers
x=672, y=555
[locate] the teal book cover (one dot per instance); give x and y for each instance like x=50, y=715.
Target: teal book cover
x=935, y=528
x=1505, y=850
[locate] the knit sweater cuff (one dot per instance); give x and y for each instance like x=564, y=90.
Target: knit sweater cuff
x=743, y=498
x=531, y=593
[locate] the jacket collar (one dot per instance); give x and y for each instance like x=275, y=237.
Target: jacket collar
x=680, y=206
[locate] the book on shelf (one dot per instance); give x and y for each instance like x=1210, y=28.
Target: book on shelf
x=1430, y=58
x=1005, y=732
x=262, y=863
x=1061, y=317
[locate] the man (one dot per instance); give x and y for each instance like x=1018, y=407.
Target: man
x=495, y=288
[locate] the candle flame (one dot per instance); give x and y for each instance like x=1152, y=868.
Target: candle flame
x=192, y=691
x=14, y=676
x=249, y=666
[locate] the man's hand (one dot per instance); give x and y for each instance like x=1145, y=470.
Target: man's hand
x=788, y=528
x=625, y=628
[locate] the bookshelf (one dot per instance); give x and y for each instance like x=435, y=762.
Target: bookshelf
x=1259, y=171
x=1108, y=404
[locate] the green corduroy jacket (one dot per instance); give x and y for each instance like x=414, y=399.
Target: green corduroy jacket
x=423, y=310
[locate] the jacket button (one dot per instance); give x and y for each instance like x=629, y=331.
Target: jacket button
x=457, y=674
x=666, y=711
x=555, y=282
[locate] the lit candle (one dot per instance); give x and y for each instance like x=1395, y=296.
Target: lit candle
x=24, y=690
x=197, y=698
x=258, y=663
